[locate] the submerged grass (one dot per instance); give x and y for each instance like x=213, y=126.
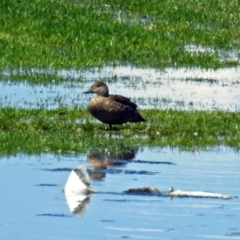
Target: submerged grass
x=154, y=33
x=45, y=77
x=73, y=130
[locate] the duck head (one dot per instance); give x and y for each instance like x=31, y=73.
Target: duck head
x=100, y=88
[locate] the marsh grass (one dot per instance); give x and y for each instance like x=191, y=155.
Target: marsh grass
x=67, y=130
x=34, y=76
x=63, y=34
x=83, y=34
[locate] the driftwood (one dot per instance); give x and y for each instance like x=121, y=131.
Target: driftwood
x=78, y=183
x=176, y=193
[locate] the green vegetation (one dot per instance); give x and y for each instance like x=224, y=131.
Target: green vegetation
x=154, y=33
x=36, y=76
x=73, y=130
x=39, y=37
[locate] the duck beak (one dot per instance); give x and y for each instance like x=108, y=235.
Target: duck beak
x=89, y=91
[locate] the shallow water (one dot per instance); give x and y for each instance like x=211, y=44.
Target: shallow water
x=33, y=206
x=187, y=89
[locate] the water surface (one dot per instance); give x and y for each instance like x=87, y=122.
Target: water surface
x=187, y=89
x=34, y=207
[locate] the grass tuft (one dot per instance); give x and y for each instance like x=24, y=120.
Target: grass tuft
x=73, y=130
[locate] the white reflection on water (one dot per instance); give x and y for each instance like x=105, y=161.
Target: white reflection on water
x=188, y=89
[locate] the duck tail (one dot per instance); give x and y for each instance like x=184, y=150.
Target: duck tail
x=138, y=118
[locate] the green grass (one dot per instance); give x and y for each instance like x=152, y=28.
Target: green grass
x=73, y=130
x=83, y=34
x=39, y=37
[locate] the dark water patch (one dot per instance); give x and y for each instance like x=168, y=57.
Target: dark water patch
x=200, y=215
x=120, y=162
x=220, y=207
x=233, y=234
x=131, y=200
x=56, y=169
x=118, y=171
x=54, y=215
x=108, y=221
x=105, y=171
x=154, y=162
x=46, y=185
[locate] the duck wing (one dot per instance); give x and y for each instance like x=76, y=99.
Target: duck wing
x=123, y=100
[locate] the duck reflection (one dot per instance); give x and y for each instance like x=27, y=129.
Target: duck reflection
x=77, y=203
x=101, y=161
x=77, y=191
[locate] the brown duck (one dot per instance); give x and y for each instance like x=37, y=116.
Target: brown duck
x=112, y=109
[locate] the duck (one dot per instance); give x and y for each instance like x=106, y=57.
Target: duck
x=111, y=109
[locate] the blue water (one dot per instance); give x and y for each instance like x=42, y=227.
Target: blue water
x=34, y=207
